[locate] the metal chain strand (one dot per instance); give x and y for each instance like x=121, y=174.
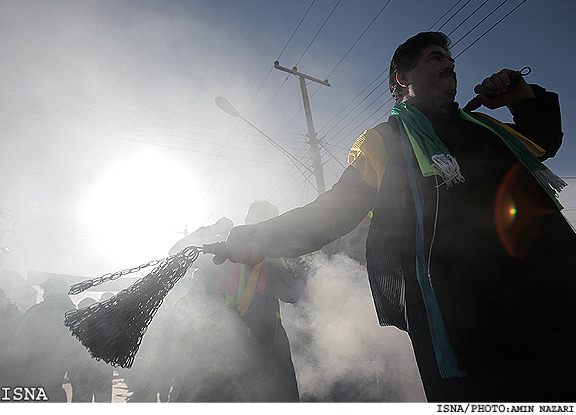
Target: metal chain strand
x=112, y=330
x=188, y=253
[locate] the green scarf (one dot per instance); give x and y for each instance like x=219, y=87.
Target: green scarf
x=434, y=158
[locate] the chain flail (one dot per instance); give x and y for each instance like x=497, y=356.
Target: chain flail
x=188, y=254
x=112, y=330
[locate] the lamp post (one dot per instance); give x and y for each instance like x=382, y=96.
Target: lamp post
x=229, y=109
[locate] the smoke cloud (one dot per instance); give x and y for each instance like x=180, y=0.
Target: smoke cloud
x=340, y=352
x=196, y=349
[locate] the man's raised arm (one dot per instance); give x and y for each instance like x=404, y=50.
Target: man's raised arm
x=305, y=229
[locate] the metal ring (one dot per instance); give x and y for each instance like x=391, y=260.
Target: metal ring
x=525, y=71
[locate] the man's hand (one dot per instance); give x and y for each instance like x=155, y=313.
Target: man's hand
x=245, y=244
x=503, y=88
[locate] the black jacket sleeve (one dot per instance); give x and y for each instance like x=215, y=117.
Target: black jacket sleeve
x=539, y=119
x=332, y=215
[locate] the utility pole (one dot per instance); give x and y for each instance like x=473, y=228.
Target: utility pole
x=317, y=162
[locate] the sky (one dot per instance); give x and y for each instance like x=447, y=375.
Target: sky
x=112, y=146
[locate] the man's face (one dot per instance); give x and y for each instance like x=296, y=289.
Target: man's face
x=433, y=79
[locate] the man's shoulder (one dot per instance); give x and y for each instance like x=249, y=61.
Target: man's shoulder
x=387, y=130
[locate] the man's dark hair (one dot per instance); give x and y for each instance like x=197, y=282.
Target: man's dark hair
x=408, y=54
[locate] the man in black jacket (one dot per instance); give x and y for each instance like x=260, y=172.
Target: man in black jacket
x=467, y=249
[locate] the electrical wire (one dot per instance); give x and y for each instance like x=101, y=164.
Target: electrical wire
x=296, y=30
x=342, y=59
x=491, y=27
x=444, y=15
x=137, y=140
x=318, y=32
x=278, y=58
x=453, y=15
x=358, y=39
x=469, y=16
x=325, y=144
x=479, y=23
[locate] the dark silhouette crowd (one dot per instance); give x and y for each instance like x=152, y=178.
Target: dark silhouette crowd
x=217, y=337
x=37, y=351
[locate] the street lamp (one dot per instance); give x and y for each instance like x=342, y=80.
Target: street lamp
x=226, y=106
x=229, y=109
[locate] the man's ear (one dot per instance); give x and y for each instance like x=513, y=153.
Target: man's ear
x=402, y=79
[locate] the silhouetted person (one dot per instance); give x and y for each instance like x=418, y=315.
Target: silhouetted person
x=18, y=289
x=43, y=348
x=467, y=249
x=234, y=341
x=150, y=379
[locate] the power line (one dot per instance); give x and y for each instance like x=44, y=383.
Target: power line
x=480, y=22
x=42, y=222
x=387, y=78
x=318, y=32
x=353, y=99
x=295, y=30
x=341, y=60
x=359, y=37
x=444, y=15
x=345, y=55
x=339, y=64
x=115, y=116
x=256, y=94
x=388, y=67
x=453, y=15
x=460, y=9
x=360, y=102
x=469, y=16
x=491, y=27
x=134, y=139
x=279, y=56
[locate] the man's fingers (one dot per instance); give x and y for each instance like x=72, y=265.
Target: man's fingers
x=500, y=81
x=496, y=84
x=503, y=88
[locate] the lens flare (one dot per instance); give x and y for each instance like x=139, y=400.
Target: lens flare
x=518, y=207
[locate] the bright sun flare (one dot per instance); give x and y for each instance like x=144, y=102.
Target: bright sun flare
x=139, y=207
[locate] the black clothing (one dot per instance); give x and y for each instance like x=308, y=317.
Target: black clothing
x=506, y=299
x=42, y=350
